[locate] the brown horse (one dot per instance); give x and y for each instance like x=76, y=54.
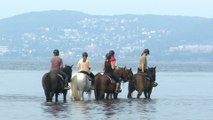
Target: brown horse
x=104, y=84
x=142, y=84
x=53, y=84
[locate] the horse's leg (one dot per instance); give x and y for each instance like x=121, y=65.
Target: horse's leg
x=51, y=94
x=80, y=95
x=89, y=94
x=111, y=96
x=115, y=95
x=96, y=94
x=47, y=94
x=145, y=94
x=131, y=88
x=101, y=94
x=107, y=97
x=65, y=94
x=56, y=97
x=139, y=94
x=149, y=93
x=82, y=98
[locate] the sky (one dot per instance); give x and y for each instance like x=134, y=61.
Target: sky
x=200, y=8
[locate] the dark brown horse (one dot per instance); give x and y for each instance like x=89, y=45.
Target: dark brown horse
x=53, y=84
x=142, y=84
x=104, y=84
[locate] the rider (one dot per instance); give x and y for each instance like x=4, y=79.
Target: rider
x=109, y=68
x=57, y=65
x=84, y=66
x=113, y=59
x=143, y=65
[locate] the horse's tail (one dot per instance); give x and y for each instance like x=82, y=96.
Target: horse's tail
x=46, y=84
x=74, y=87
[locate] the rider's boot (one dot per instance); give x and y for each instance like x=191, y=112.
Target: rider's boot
x=117, y=90
x=66, y=86
x=155, y=84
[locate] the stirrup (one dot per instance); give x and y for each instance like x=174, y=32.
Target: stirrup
x=155, y=84
x=66, y=87
x=92, y=87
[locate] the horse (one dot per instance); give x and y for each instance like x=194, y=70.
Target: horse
x=52, y=83
x=80, y=84
x=104, y=84
x=142, y=84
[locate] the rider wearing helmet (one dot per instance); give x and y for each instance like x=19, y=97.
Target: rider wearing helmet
x=143, y=66
x=57, y=65
x=112, y=59
x=108, y=68
x=84, y=66
x=143, y=61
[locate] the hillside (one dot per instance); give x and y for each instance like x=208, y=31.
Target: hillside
x=170, y=38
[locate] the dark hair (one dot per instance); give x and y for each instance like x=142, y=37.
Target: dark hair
x=108, y=56
x=111, y=52
x=56, y=52
x=146, y=51
x=84, y=54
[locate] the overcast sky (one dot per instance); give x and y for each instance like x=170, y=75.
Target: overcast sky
x=201, y=8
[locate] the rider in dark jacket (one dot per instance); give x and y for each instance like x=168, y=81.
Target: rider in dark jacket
x=109, y=70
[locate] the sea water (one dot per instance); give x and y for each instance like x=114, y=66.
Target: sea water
x=179, y=96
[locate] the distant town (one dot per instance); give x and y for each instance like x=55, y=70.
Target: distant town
x=169, y=38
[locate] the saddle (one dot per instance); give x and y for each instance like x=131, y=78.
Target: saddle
x=62, y=78
x=87, y=74
x=110, y=78
x=146, y=75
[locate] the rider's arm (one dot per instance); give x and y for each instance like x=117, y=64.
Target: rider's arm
x=61, y=65
x=103, y=66
x=142, y=67
x=78, y=64
x=113, y=65
x=89, y=65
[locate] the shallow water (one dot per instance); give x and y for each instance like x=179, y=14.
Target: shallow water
x=179, y=96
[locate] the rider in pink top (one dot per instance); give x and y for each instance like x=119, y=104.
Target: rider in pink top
x=113, y=65
x=57, y=65
x=113, y=59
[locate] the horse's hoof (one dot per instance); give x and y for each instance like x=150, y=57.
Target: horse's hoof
x=118, y=91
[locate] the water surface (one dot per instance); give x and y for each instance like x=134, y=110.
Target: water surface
x=179, y=96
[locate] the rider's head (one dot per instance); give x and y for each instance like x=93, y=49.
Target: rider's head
x=108, y=56
x=85, y=54
x=56, y=52
x=111, y=52
x=146, y=51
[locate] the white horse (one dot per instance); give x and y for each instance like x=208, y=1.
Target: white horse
x=79, y=84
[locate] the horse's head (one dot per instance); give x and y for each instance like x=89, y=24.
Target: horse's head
x=152, y=72
x=129, y=74
x=124, y=74
x=68, y=70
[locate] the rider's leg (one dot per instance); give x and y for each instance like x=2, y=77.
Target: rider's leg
x=65, y=80
x=117, y=82
x=93, y=77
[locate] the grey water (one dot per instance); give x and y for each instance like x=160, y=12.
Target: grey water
x=180, y=95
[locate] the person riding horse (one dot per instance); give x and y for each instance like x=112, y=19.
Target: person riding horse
x=84, y=66
x=109, y=69
x=57, y=65
x=143, y=66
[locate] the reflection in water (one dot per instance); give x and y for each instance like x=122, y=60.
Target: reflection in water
x=106, y=109
x=109, y=108
x=56, y=110
x=146, y=108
